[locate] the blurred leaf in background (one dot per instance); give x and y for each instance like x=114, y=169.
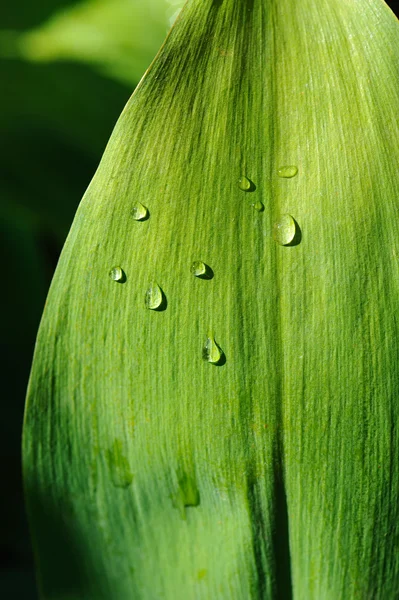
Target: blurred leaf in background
x=118, y=37
x=67, y=69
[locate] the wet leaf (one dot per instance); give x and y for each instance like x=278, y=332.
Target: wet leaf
x=287, y=449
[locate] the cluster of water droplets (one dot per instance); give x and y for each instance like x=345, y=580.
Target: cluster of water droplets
x=285, y=231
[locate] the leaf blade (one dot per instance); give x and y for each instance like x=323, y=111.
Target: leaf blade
x=290, y=334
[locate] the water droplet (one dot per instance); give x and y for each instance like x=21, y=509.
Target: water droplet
x=244, y=184
x=288, y=171
x=259, y=206
x=198, y=268
x=212, y=352
x=118, y=465
x=201, y=270
x=187, y=495
x=284, y=230
x=117, y=274
x=188, y=491
x=154, y=298
x=139, y=212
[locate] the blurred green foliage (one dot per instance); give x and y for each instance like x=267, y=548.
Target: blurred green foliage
x=118, y=37
x=67, y=69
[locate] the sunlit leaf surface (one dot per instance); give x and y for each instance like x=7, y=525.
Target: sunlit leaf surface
x=231, y=436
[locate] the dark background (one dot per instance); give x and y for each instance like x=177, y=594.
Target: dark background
x=58, y=106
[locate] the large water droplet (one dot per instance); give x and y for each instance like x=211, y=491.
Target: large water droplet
x=139, y=212
x=118, y=465
x=117, y=274
x=284, y=230
x=259, y=206
x=212, y=352
x=201, y=270
x=245, y=184
x=288, y=171
x=198, y=268
x=154, y=298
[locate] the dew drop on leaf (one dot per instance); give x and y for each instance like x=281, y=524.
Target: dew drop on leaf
x=154, y=297
x=284, y=230
x=259, y=206
x=244, y=184
x=187, y=495
x=139, y=212
x=198, y=268
x=188, y=491
x=117, y=274
x=211, y=352
x=201, y=270
x=118, y=465
x=288, y=171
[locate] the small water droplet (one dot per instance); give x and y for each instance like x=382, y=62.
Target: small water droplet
x=117, y=274
x=244, y=184
x=212, y=352
x=284, y=230
x=154, y=298
x=259, y=206
x=139, y=212
x=118, y=465
x=198, y=268
x=201, y=270
x=187, y=495
x=188, y=491
x=288, y=171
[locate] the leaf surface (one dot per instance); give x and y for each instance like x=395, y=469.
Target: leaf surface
x=272, y=473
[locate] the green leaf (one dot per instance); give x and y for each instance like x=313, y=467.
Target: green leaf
x=269, y=469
